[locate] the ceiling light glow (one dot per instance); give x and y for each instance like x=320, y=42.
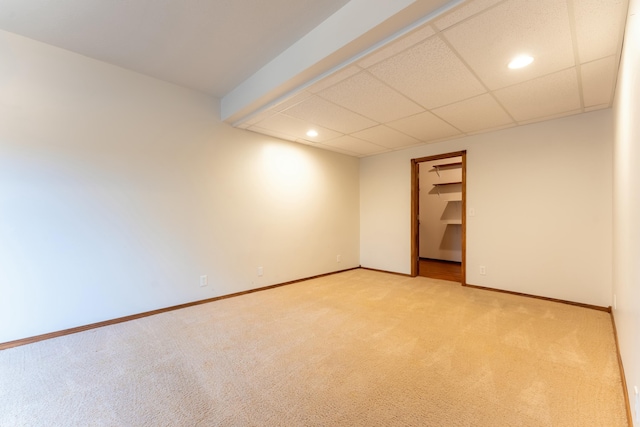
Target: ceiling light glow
x=520, y=61
x=312, y=133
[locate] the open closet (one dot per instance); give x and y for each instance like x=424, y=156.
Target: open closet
x=439, y=210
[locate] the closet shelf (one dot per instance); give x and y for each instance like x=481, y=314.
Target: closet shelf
x=452, y=221
x=445, y=166
x=440, y=184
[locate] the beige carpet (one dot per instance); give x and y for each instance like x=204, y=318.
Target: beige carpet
x=359, y=348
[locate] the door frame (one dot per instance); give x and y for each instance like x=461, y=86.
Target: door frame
x=415, y=205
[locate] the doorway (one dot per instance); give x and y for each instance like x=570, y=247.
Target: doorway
x=438, y=216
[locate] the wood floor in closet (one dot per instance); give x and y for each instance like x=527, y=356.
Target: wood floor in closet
x=437, y=269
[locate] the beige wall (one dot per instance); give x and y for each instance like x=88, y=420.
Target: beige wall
x=626, y=206
x=542, y=200
x=118, y=191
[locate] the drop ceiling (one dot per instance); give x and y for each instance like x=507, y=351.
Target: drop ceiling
x=369, y=75
x=448, y=77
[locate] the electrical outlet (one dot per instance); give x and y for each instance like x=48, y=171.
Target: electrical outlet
x=338, y=258
x=483, y=270
x=260, y=271
x=204, y=281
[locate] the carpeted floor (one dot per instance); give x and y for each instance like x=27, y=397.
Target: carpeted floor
x=359, y=348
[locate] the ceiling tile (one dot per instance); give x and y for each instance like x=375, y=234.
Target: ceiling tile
x=544, y=96
x=489, y=40
x=321, y=146
x=292, y=100
x=338, y=150
x=334, y=78
x=366, y=95
x=319, y=111
x=598, y=78
x=462, y=12
x=305, y=142
x=258, y=117
x=293, y=127
x=425, y=127
x=386, y=137
x=354, y=145
x=397, y=46
x=551, y=117
x=429, y=73
x=471, y=115
x=513, y=124
x=275, y=134
x=598, y=27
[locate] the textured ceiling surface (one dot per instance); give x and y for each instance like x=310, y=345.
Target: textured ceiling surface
x=449, y=77
x=207, y=45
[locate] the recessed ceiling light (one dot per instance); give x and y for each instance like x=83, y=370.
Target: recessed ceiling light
x=520, y=61
x=312, y=133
